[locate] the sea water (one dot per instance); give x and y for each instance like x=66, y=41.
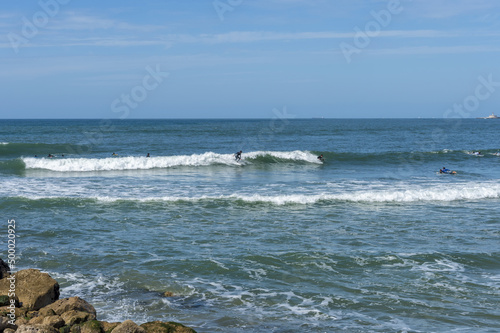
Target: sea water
x=372, y=239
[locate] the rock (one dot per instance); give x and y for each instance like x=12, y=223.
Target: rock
x=18, y=312
x=166, y=327
x=54, y=321
x=68, y=304
x=36, y=321
x=93, y=326
x=4, y=324
x=36, y=329
x=33, y=288
x=21, y=321
x=73, y=317
x=128, y=326
x=32, y=314
x=4, y=300
x=46, y=311
x=65, y=329
x=9, y=330
x=108, y=327
x=4, y=269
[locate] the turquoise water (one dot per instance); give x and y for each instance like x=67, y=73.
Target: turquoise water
x=373, y=239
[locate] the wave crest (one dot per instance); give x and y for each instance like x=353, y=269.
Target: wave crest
x=161, y=162
x=410, y=195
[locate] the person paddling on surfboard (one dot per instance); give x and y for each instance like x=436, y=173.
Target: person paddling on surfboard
x=444, y=170
x=237, y=156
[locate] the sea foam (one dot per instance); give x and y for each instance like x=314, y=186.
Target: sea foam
x=158, y=162
x=410, y=195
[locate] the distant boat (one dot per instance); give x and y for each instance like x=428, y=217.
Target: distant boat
x=492, y=116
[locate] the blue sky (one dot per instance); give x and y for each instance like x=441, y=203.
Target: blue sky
x=249, y=58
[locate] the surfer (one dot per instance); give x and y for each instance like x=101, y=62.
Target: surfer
x=50, y=156
x=147, y=155
x=447, y=171
x=320, y=157
x=114, y=154
x=444, y=170
x=237, y=156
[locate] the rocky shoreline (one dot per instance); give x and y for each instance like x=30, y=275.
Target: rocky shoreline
x=29, y=303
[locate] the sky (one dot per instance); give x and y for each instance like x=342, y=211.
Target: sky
x=249, y=58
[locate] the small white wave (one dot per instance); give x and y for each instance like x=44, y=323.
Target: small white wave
x=441, y=266
x=374, y=196
x=4, y=143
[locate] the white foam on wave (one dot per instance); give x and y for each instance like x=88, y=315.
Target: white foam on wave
x=127, y=163
x=409, y=195
x=158, y=162
x=441, y=265
x=296, y=155
x=77, y=284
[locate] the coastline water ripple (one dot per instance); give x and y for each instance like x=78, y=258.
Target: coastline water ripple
x=372, y=239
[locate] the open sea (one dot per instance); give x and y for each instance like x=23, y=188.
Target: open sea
x=372, y=239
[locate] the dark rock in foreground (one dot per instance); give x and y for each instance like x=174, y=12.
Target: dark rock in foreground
x=33, y=288
x=37, y=309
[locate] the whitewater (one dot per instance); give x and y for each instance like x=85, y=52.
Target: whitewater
x=159, y=162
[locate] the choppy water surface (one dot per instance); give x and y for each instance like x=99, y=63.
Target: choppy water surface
x=373, y=239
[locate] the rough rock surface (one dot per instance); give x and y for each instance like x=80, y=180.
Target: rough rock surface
x=4, y=269
x=166, y=327
x=34, y=289
x=128, y=326
x=68, y=304
x=36, y=329
x=40, y=311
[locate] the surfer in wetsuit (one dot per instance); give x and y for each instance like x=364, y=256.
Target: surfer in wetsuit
x=237, y=156
x=320, y=157
x=444, y=170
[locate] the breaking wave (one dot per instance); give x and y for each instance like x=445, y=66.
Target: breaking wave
x=161, y=162
x=464, y=192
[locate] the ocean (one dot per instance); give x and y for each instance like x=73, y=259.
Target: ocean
x=372, y=239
